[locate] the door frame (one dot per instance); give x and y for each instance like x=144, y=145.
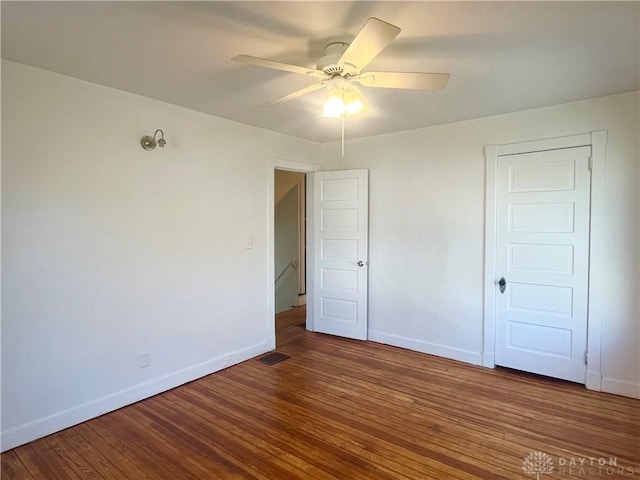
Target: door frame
x=273, y=164
x=597, y=140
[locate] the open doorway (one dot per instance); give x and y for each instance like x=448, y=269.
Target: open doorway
x=289, y=255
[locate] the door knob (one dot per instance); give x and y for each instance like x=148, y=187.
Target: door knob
x=502, y=283
x=361, y=263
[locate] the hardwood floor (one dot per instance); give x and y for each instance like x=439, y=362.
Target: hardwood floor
x=342, y=409
x=290, y=325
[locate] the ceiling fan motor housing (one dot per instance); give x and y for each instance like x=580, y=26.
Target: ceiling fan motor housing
x=329, y=63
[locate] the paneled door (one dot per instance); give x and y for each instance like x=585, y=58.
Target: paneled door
x=340, y=252
x=542, y=262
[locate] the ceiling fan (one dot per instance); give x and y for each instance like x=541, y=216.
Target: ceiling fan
x=341, y=68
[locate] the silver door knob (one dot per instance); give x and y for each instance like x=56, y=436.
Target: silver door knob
x=360, y=263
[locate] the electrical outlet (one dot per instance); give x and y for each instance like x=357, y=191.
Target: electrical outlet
x=228, y=361
x=143, y=360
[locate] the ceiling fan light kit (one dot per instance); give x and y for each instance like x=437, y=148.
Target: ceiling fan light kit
x=343, y=99
x=342, y=66
x=337, y=107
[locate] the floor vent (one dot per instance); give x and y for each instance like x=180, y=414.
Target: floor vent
x=273, y=358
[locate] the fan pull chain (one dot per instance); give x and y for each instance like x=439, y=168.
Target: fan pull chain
x=344, y=114
x=343, y=135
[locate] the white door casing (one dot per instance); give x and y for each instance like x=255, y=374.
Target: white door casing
x=338, y=232
x=542, y=257
x=272, y=164
x=597, y=141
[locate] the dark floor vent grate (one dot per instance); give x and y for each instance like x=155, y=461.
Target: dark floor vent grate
x=273, y=358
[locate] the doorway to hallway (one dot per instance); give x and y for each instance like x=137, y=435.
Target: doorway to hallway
x=289, y=239
x=290, y=325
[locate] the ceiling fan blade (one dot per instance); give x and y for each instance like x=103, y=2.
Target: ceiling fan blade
x=410, y=80
x=369, y=42
x=263, y=62
x=297, y=93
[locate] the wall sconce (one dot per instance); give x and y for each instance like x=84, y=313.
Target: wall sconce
x=149, y=143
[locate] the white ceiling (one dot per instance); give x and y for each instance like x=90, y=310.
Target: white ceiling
x=502, y=56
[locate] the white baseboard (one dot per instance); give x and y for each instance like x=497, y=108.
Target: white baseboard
x=621, y=387
x=445, y=351
x=81, y=413
x=302, y=300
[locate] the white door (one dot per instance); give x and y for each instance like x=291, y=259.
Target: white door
x=542, y=244
x=340, y=252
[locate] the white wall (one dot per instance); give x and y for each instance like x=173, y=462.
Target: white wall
x=427, y=228
x=109, y=250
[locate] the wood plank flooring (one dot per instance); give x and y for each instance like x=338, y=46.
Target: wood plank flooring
x=290, y=325
x=342, y=409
